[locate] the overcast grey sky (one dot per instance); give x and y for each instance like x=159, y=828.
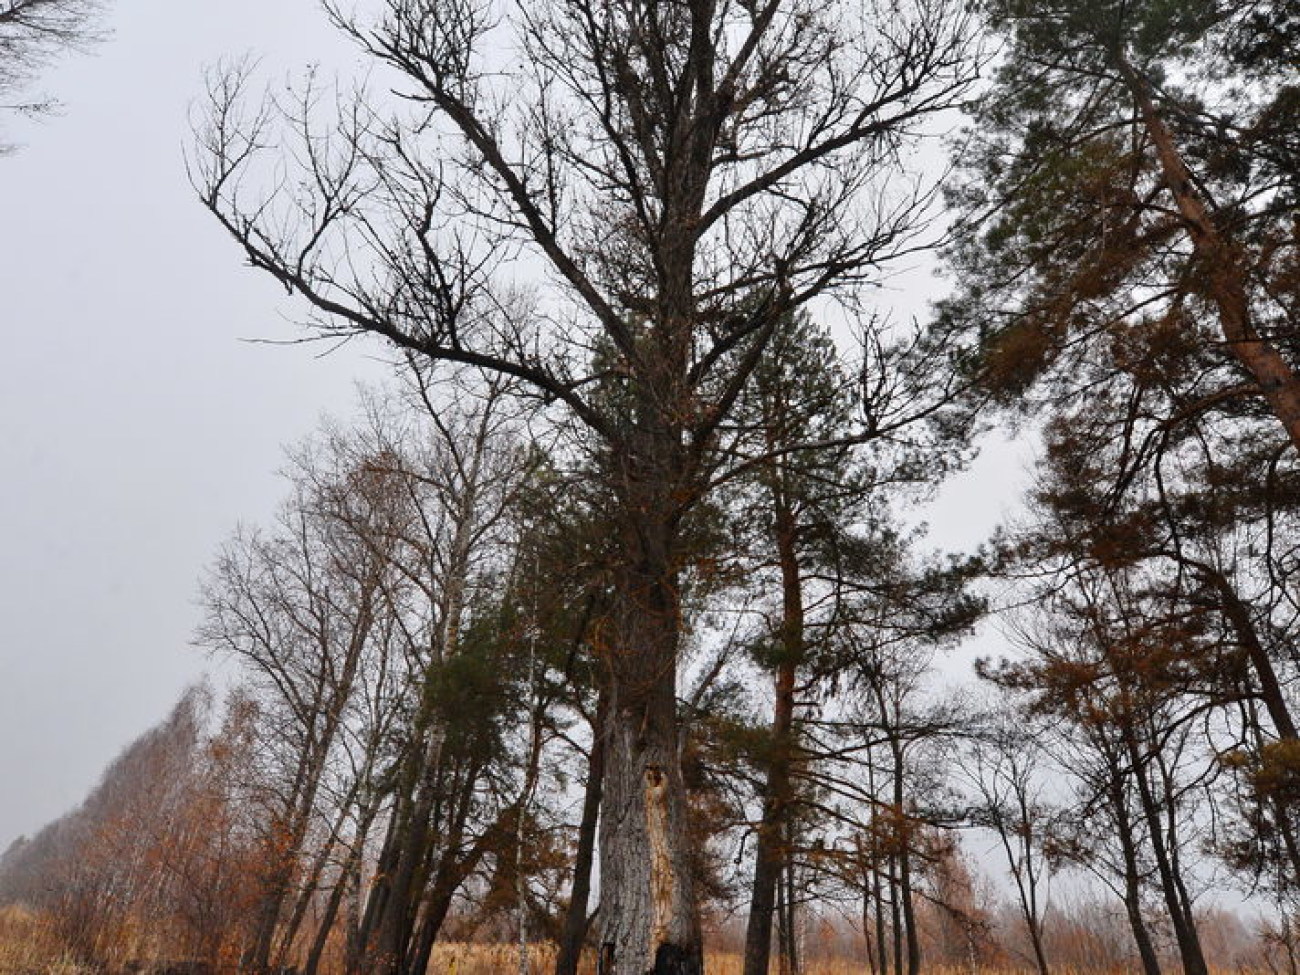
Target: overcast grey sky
x=136, y=428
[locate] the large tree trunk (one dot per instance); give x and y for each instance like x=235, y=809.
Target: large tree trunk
x=909, y=910
x=648, y=912
x=895, y=916
x=790, y=948
x=768, y=860
x=376, y=901
x=782, y=928
x=906, y=826
x=649, y=915
x=877, y=888
x=437, y=905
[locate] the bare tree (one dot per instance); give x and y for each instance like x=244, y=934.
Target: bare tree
x=1005, y=768
x=367, y=625
x=687, y=174
x=32, y=34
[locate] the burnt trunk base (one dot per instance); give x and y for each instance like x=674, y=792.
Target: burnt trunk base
x=672, y=960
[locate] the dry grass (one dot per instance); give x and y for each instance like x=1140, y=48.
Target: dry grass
x=478, y=959
x=470, y=959
x=29, y=946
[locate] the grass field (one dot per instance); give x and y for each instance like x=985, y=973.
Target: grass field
x=468, y=959
x=28, y=946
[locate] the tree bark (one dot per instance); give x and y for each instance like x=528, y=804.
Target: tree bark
x=1132, y=883
x=348, y=875
x=789, y=917
x=1238, y=616
x=401, y=892
x=770, y=853
x=376, y=903
x=909, y=911
x=895, y=916
x=882, y=942
x=868, y=944
x=905, y=862
x=649, y=915
x=575, y=921
x=1222, y=262
x=1189, y=943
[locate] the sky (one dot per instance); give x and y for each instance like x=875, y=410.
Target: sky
x=138, y=422
x=138, y=425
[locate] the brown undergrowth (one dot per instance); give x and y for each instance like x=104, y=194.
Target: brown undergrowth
x=30, y=945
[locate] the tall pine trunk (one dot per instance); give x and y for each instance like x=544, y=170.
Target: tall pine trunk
x=771, y=854
x=1222, y=267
